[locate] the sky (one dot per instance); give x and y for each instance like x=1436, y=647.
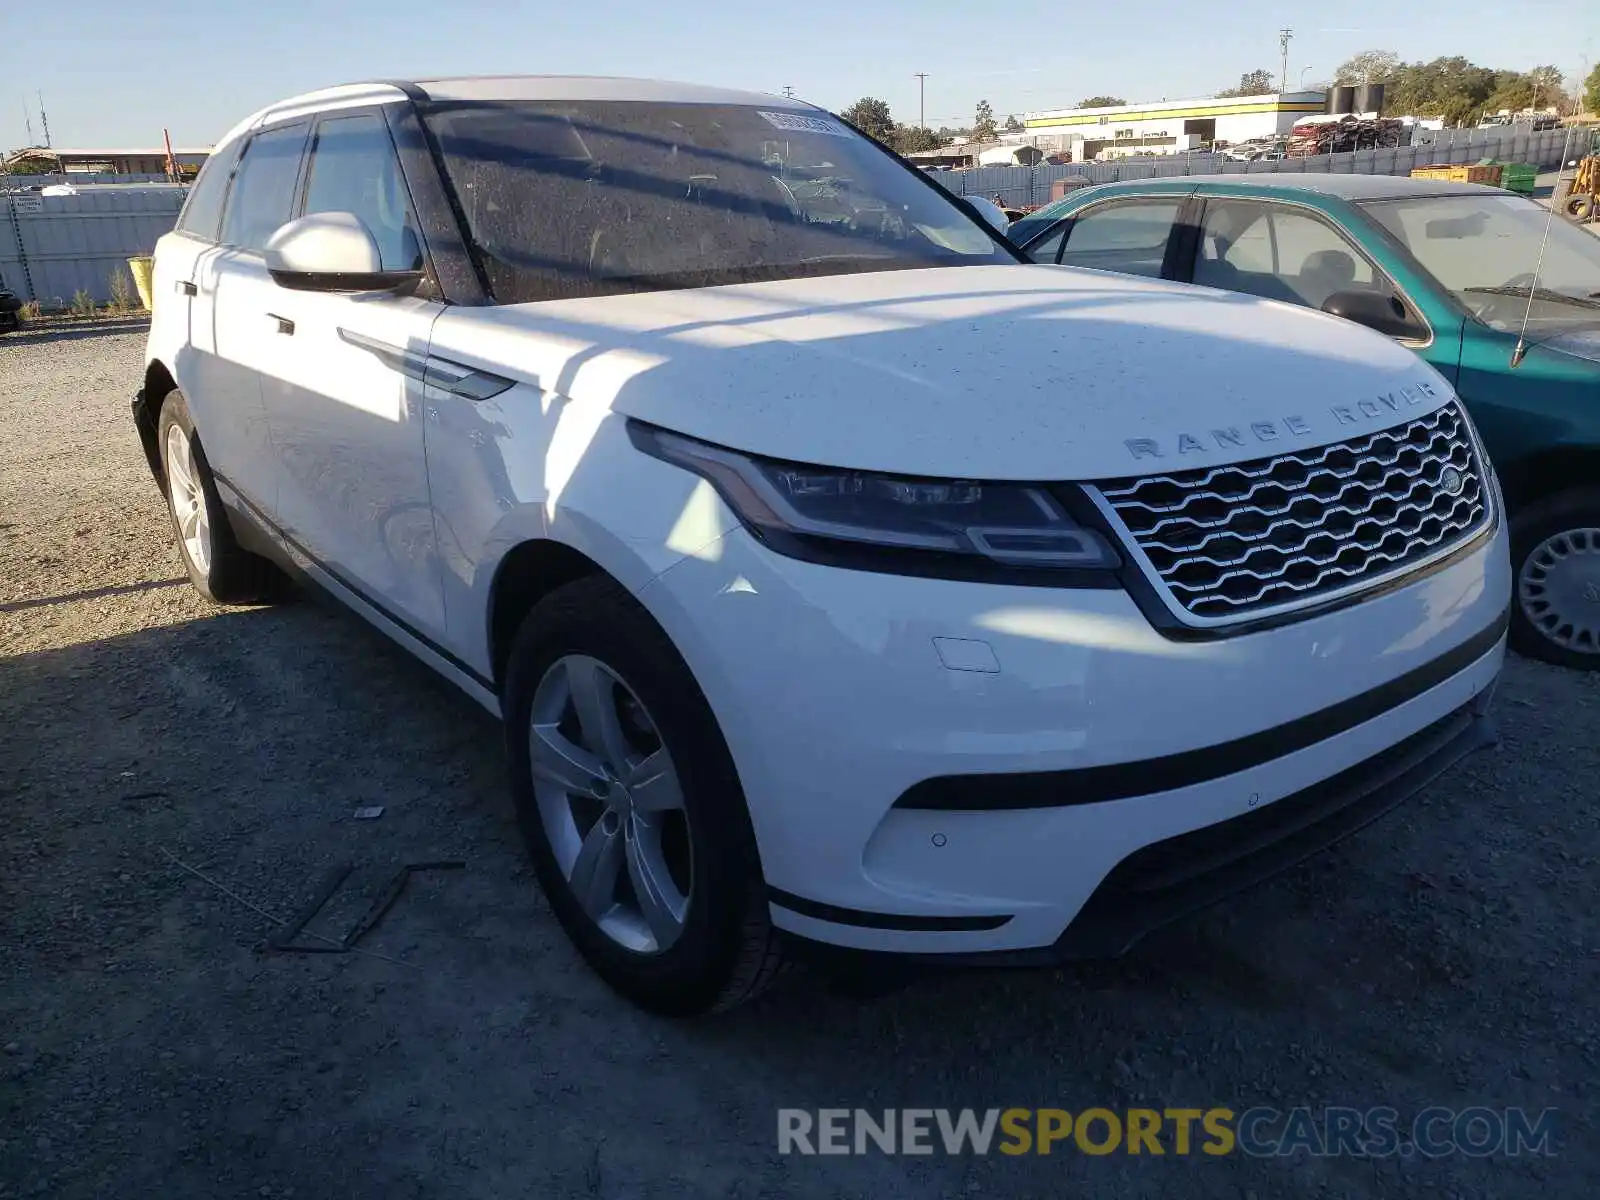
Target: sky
x=115, y=72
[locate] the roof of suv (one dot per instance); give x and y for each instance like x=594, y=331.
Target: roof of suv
x=591, y=87
x=507, y=87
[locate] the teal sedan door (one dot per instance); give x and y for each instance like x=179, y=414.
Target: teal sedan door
x=1528, y=290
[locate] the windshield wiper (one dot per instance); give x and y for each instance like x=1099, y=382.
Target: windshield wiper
x=1547, y=294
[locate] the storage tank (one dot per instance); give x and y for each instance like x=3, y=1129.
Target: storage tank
x=1342, y=100
x=1370, y=98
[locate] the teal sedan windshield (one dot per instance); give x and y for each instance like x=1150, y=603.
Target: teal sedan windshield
x=1485, y=250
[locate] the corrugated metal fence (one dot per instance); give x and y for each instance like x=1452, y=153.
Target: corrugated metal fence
x=78, y=178
x=1019, y=186
x=54, y=246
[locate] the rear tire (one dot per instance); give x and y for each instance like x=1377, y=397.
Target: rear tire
x=221, y=570
x=1555, y=556
x=712, y=946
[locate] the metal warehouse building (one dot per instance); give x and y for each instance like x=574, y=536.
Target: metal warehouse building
x=1170, y=126
x=46, y=161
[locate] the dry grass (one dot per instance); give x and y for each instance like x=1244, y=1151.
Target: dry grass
x=121, y=293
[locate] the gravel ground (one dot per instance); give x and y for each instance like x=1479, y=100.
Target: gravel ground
x=1446, y=956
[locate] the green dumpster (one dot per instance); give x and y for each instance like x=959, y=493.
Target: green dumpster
x=1518, y=177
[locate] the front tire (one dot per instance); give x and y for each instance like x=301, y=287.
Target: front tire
x=221, y=570
x=1555, y=553
x=631, y=808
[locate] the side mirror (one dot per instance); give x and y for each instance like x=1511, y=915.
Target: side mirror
x=1381, y=311
x=991, y=212
x=331, y=252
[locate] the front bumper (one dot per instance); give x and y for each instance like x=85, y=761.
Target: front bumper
x=1179, y=876
x=945, y=768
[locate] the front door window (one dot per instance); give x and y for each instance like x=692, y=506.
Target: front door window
x=1280, y=253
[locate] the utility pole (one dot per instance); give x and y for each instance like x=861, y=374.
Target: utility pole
x=44, y=120
x=788, y=91
x=922, y=99
x=1285, y=36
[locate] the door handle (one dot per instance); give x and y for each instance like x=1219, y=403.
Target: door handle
x=285, y=326
x=186, y=288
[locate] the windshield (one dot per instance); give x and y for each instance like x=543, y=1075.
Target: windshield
x=1484, y=251
x=581, y=198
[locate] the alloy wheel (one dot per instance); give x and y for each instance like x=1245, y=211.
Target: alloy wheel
x=611, y=804
x=1559, y=589
x=188, y=499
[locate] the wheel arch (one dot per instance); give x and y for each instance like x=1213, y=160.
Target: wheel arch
x=158, y=382
x=525, y=575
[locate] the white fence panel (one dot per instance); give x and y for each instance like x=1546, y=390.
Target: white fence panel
x=54, y=246
x=76, y=178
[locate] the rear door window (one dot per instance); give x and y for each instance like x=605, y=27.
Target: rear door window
x=263, y=194
x=1128, y=236
x=202, y=212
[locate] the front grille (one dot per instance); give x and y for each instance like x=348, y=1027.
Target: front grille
x=1232, y=542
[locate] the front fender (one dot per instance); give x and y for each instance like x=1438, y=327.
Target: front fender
x=591, y=491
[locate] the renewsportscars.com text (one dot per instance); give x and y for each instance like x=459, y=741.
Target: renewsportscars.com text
x=1262, y=1132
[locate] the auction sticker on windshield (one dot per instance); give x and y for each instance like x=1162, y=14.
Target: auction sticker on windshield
x=801, y=123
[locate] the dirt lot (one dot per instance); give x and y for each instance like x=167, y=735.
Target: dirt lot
x=1447, y=956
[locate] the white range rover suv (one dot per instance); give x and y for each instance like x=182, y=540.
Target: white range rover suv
x=840, y=579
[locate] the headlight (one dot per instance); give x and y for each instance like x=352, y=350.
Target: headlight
x=891, y=522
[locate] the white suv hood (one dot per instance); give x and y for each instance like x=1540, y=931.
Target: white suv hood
x=1007, y=372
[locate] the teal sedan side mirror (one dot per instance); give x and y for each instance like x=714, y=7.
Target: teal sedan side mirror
x=1382, y=311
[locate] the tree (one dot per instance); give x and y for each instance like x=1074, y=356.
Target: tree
x=1591, y=91
x=1547, y=89
x=1102, y=102
x=1252, y=83
x=1513, y=92
x=1012, y=125
x=1370, y=66
x=911, y=139
x=1452, y=88
x=871, y=116
x=983, y=126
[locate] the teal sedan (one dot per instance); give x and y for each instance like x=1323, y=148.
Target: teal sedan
x=1461, y=273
